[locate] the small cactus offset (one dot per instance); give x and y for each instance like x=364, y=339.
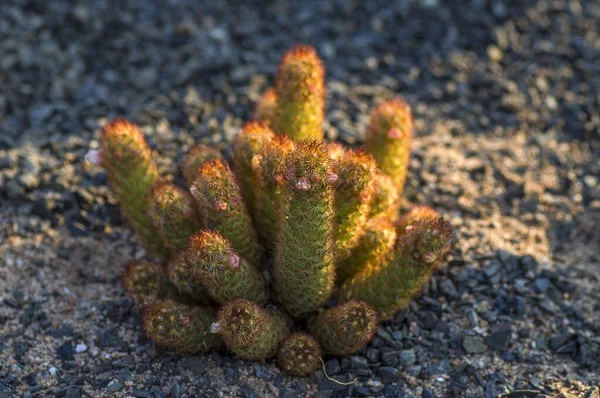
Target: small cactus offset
x=250, y=331
x=388, y=138
x=299, y=354
x=304, y=268
x=212, y=260
x=345, y=328
x=127, y=159
x=173, y=212
x=183, y=328
x=222, y=208
x=300, y=92
x=195, y=158
x=299, y=223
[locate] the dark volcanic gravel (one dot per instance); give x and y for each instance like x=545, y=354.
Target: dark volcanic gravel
x=506, y=96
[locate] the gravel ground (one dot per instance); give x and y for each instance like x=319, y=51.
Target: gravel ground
x=506, y=95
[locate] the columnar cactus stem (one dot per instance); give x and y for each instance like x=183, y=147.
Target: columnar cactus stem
x=173, y=212
x=223, y=209
x=195, y=158
x=225, y=275
x=373, y=247
x=127, y=159
x=144, y=281
x=268, y=166
x=300, y=88
x=248, y=143
x=182, y=277
x=266, y=107
x=386, y=199
x=388, y=138
x=183, y=328
x=389, y=286
x=353, y=195
x=299, y=354
x=304, y=269
x=250, y=331
x=345, y=328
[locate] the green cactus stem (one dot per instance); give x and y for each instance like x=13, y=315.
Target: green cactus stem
x=250, y=331
x=373, y=246
x=386, y=199
x=195, y=158
x=226, y=276
x=415, y=214
x=268, y=166
x=183, y=279
x=174, y=214
x=390, y=285
x=180, y=327
x=345, y=328
x=144, y=281
x=300, y=89
x=222, y=208
x=299, y=354
x=304, y=268
x=266, y=107
x=353, y=195
x=248, y=143
x=132, y=173
x=388, y=138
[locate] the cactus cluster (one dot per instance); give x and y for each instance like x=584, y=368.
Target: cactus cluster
x=293, y=231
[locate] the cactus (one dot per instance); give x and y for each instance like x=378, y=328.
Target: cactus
x=127, y=159
x=223, y=209
x=388, y=138
x=373, y=246
x=268, y=166
x=266, y=107
x=183, y=328
x=226, y=276
x=144, y=281
x=250, y=331
x=304, y=269
x=353, y=195
x=390, y=285
x=248, y=143
x=327, y=215
x=345, y=328
x=299, y=354
x=195, y=158
x=173, y=212
x=300, y=91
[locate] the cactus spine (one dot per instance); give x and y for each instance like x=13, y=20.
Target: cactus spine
x=225, y=275
x=223, y=209
x=127, y=159
x=250, y=331
x=372, y=248
x=299, y=354
x=304, y=269
x=183, y=328
x=195, y=158
x=388, y=138
x=353, y=195
x=266, y=107
x=345, y=328
x=173, y=212
x=389, y=286
x=300, y=90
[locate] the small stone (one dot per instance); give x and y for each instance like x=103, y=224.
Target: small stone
x=194, y=364
x=114, y=385
x=261, y=373
x=474, y=345
x=388, y=374
x=358, y=362
x=427, y=393
x=389, y=357
x=324, y=394
x=593, y=392
x=79, y=348
x=407, y=357
x=541, y=285
x=498, y=340
x=52, y=370
x=73, y=392
x=65, y=351
x=248, y=392
x=495, y=53
x=332, y=367
x=447, y=287
x=141, y=394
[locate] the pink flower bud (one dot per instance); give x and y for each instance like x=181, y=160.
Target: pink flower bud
x=331, y=177
x=220, y=206
x=278, y=178
x=364, y=197
x=193, y=190
x=394, y=134
x=429, y=257
x=303, y=184
x=234, y=260
x=215, y=327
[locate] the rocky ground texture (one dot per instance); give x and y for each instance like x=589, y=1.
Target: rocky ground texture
x=506, y=96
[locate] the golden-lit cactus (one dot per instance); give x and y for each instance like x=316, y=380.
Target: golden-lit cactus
x=144, y=281
x=300, y=91
x=266, y=107
x=389, y=137
x=386, y=199
x=183, y=279
x=222, y=208
x=195, y=158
